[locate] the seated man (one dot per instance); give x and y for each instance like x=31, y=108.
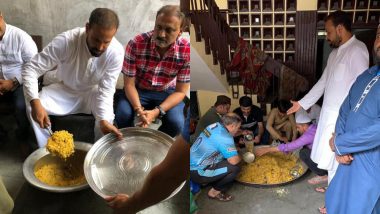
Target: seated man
x=214, y=158
x=252, y=121
x=156, y=75
x=17, y=48
x=213, y=115
x=279, y=122
x=88, y=62
x=307, y=131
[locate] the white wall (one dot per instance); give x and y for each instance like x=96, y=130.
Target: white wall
x=202, y=78
x=51, y=17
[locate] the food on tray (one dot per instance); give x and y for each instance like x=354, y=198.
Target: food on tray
x=271, y=168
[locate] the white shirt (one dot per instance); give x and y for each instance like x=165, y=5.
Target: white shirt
x=78, y=70
x=344, y=65
x=16, y=49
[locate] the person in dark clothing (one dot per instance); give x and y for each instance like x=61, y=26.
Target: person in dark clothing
x=252, y=121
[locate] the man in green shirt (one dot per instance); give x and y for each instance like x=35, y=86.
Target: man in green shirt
x=213, y=115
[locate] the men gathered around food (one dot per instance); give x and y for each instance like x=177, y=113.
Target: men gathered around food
x=161, y=181
x=305, y=142
x=221, y=107
x=17, y=48
x=252, y=121
x=355, y=187
x=281, y=126
x=156, y=75
x=88, y=62
x=214, y=159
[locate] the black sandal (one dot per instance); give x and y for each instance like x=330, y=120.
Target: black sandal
x=224, y=197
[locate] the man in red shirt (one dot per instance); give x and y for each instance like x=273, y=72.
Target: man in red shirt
x=156, y=75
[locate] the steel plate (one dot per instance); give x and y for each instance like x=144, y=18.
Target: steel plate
x=120, y=166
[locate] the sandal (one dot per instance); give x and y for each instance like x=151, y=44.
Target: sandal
x=224, y=197
x=321, y=189
x=317, y=180
x=322, y=210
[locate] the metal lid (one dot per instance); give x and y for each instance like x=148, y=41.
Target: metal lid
x=113, y=166
x=248, y=137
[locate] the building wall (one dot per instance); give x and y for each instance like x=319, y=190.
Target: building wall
x=301, y=4
x=207, y=98
x=49, y=18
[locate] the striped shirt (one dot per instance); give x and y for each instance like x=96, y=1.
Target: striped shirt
x=152, y=72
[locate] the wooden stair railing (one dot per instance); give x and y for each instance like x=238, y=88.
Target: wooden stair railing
x=210, y=25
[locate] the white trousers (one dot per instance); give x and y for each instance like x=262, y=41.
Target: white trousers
x=330, y=175
x=59, y=100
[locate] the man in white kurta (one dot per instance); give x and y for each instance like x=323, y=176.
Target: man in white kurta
x=16, y=49
x=348, y=59
x=88, y=62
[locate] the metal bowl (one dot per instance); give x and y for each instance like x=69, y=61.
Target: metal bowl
x=120, y=166
x=248, y=157
x=40, y=157
x=295, y=176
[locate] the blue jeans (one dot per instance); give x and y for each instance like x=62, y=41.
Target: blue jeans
x=172, y=122
x=221, y=182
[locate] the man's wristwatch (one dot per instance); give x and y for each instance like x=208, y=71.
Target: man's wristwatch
x=15, y=84
x=162, y=112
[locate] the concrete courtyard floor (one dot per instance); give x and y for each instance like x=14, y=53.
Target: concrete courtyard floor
x=298, y=197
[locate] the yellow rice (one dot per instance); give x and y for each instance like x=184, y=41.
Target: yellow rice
x=55, y=171
x=56, y=174
x=271, y=168
x=61, y=144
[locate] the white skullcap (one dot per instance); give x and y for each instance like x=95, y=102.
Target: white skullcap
x=302, y=117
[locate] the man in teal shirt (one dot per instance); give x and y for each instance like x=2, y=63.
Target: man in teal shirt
x=214, y=158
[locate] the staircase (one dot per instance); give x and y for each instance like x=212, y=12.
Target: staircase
x=213, y=37
x=213, y=41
